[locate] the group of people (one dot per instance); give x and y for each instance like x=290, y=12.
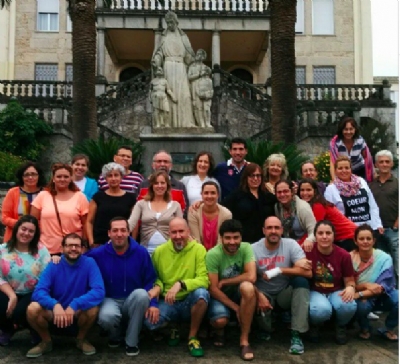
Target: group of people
x=233, y=241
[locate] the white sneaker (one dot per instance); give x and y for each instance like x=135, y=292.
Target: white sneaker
x=372, y=316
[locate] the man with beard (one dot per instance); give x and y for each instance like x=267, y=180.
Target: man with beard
x=163, y=160
x=282, y=269
x=232, y=273
x=181, y=284
x=67, y=296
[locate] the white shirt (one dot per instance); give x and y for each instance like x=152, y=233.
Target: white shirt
x=193, y=187
x=81, y=184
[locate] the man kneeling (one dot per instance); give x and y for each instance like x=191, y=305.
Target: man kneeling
x=68, y=294
x=232, y=272
x=182, y=281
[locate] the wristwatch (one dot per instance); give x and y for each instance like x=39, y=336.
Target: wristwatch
x=361, y=295
x=183, y=285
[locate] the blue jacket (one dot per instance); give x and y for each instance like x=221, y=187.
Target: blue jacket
x=78, y=285
x=91, y=187
x=122, y=274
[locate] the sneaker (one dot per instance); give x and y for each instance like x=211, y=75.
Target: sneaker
x=341, y=335
x=43, y=348
x=313, y=334
x=132, y=350
x=5, y=338
x=195, y=348
x=85, y=346
x=114, y=343
x=372, y=316
x=174, y=337
x=296, y=344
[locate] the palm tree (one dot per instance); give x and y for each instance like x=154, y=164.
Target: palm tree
x=283, y=70
x=84, y=118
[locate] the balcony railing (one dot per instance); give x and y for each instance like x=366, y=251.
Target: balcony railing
x=218, y=6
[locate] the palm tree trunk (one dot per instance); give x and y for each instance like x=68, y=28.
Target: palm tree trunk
x=283, y=70
x=84, y=115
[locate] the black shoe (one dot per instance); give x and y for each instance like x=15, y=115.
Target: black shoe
x=114, y=343
x=132, y=350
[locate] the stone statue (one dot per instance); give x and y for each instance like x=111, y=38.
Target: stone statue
x=174, y=54
x=159, y=89
x=204, y=94
x=194, y=72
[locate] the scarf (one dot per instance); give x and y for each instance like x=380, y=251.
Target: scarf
x=347, y=189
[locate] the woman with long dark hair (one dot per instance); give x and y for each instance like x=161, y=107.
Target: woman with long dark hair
x=22, y=260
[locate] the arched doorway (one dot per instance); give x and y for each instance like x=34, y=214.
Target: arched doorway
x=129, y=73
x=243, y=74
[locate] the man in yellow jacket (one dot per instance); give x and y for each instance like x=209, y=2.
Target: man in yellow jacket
x=181, y=284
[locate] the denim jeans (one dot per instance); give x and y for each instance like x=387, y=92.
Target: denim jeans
x=385, y=302
x=389, y=242
x=322, y=306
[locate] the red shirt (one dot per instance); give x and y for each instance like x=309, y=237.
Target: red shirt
x=329, y=270
x=343, y=226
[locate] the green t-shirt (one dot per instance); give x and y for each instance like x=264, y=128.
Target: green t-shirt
x=228, y=266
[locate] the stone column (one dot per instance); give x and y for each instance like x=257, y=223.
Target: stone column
x=101, y=53
x=216, y=54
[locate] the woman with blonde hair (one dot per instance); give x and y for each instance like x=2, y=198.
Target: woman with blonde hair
x=275, y=169
x=155, y=212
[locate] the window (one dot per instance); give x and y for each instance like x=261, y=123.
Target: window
x=299, y=27
x=324, y=75
x=300, y=75
x=45, y=72
x=323, y=17
x=68, y=73
x=47, y=15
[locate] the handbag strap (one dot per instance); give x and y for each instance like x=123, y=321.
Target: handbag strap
x=58, y=214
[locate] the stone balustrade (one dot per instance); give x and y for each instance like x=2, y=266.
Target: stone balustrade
x=219, y=6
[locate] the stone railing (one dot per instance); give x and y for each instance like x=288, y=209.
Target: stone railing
x=214, y=6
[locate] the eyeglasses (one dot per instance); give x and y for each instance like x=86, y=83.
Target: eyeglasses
x=283, y=192
x=255, y=175
x=69, y=246
x=33, y=174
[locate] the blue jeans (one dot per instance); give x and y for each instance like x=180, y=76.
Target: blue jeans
x=180, y=310
x=385, y=302
x=389, y=242
x=322, y=306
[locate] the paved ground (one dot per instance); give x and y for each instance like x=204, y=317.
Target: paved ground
x=375, y=351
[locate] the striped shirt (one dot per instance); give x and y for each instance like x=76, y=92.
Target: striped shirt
x=130, y=182
x=357, y=160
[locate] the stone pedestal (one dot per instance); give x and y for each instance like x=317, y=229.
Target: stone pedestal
x=183, y=149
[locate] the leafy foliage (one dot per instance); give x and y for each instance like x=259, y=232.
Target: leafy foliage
x=322, y=164
x=102, y=151
x=9, y=164
x=22, y=132
x=258, y=151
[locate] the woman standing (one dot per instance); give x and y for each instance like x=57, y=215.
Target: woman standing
x=203, y=167
x=22, y=261
x=19, y=199
x=204, y=222
x=324, y=210
x=80, y=166
x=332, y=285
x=155, y=211
x=297, y=218
x=348, y=142
x=61, y=209
x=251, y=204
x=376, y=284
x=275, y=169
x=352, y=196
x=108, y=204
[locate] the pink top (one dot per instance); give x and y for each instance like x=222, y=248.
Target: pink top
x=71, y=213
x=210, y=233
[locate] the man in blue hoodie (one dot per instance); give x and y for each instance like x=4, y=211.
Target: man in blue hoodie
x=128, y=275
x=67, y=294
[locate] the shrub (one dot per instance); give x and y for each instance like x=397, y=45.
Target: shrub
x=22, y=132
x=322, y=164
x=258, y=151
x=102, y=151
x=9, y=164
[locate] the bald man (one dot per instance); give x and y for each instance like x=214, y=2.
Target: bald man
x=181, y=284
x=282, y=269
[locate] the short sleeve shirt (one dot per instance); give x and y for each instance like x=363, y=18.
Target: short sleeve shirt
x=287, y=254
x=228, y=266
x=329, y=270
